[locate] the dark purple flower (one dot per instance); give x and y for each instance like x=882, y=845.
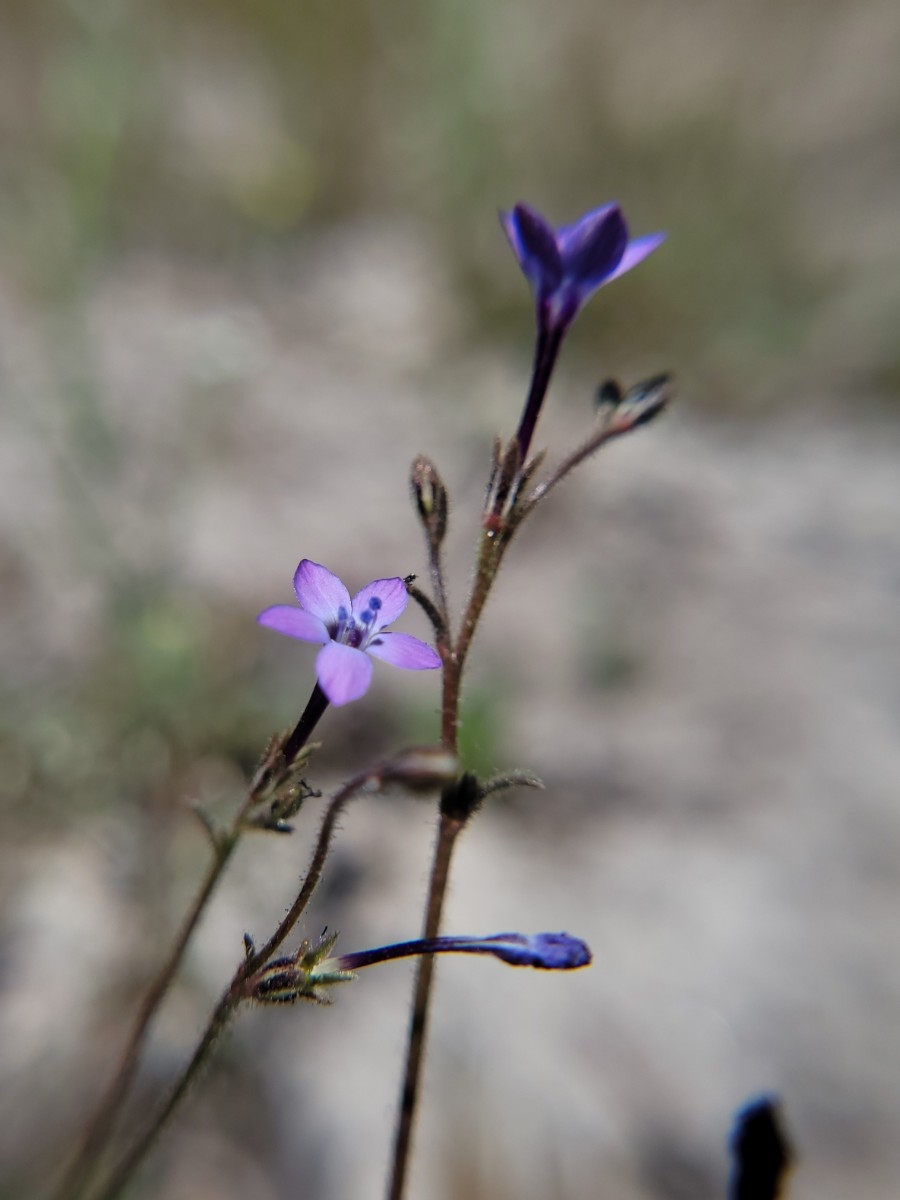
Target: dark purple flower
x=566, y=266
x=349, y=631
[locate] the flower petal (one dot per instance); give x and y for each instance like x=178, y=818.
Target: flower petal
x=592, y=248
x=344, y=673
x=534, y=245
x=391, y=599
x=546, y=951
x=403, y=650
x=636, y=251
x=320, y=592
x=287, y=618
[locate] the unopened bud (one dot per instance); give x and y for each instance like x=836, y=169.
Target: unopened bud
x=305, y=975
x=430, y=498
x=609, y=395
x=281, y=982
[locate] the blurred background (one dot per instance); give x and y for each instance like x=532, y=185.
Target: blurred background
x=249, y=266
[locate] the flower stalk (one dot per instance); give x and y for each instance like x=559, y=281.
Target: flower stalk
x=416, y=769
x=274, y=772
x=544, y=951
x=564, y=268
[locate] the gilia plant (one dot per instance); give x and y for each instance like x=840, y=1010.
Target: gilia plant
x=564, y=267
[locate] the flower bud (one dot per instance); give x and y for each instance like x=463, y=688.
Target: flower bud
x=430, y=498
x=305, y=975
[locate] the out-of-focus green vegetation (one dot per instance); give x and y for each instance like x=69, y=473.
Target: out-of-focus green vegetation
x=226, y=132
x=216, y=129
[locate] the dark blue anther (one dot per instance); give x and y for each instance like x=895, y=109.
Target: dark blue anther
x=342, y=613
x=374, y=603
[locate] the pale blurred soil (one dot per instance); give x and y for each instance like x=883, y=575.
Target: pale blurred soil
x=695, y=645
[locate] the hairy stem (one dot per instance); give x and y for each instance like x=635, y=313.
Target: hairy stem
x=545, y=354
x=120, y=1177
x=448, y=831
x=313, y=875
x=436, y=571
x=102, y=1122
x=231, y=999
x=503, y=516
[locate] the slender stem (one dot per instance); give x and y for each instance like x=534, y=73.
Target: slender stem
x=231, y=999
x=619, y=424
x=436, y=570
x=103, y=1120
x=545, y=354
x=438, y=623
x=302, y=731
x=492, y=547
x=356, y=961
x=494, y=541
x=448, y=832
x=123, y=1172
x=313, y=875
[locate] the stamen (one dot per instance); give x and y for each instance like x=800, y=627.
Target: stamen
x=340, y=630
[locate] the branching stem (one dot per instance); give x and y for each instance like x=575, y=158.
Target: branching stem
x=235, y=993
x=103, y=1121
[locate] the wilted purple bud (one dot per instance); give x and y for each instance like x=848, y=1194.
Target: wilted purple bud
x=430, y=497
x=545, y=951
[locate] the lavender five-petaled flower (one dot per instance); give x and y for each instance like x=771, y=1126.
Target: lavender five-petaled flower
x=566, y=266
x=348, y=630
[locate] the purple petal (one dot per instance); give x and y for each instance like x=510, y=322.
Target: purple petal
x=592, y=248
x=344, y=673
x=547, y=951
x=636, y=251
x=391, y=598
x=534, y=245
x=403, y=650
x=287, y=618
x=320, y=592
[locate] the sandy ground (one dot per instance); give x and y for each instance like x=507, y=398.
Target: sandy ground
x=696, y=647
